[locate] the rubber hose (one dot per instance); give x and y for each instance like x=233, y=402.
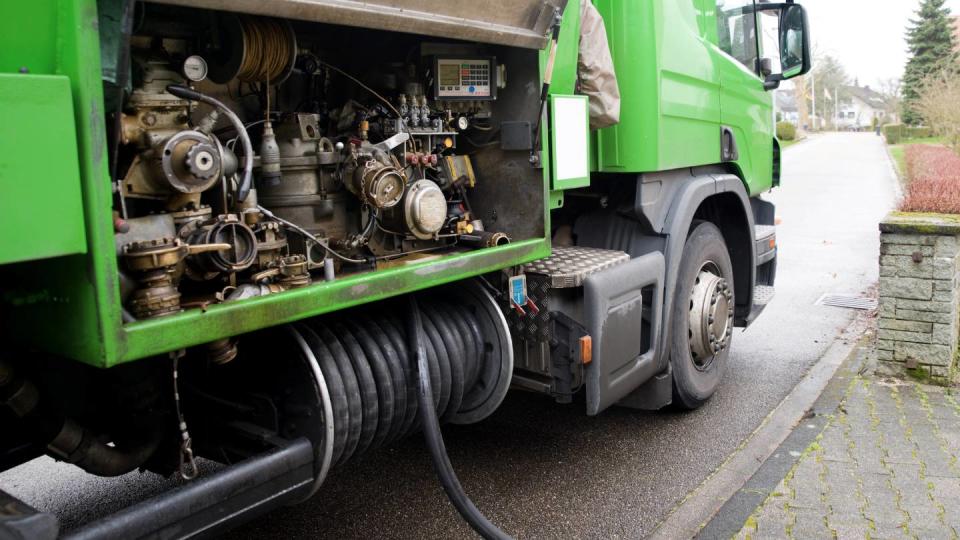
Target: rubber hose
x=431, y=433
x=386, y=395
x=410, y=375
x=372, y=382
x=352, y=390
x=435, y=342
x=246, y=181
x=455, y=354
x=391, y=384
x=471, y=336
x=338, y=395
x=77, y=445
x=368, y=388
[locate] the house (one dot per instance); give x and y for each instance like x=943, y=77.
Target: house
x=858, y=110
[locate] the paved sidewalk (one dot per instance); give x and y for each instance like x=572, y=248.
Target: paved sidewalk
x=885, y=466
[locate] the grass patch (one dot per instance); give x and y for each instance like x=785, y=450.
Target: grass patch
x=899, y=159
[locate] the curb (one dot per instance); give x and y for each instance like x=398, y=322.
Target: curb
x=729, y=494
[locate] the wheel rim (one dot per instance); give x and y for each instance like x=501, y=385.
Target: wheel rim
x=710, y=316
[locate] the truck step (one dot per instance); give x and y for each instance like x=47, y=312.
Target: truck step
x=762, y=295
x=762, y=232
x=568, y=267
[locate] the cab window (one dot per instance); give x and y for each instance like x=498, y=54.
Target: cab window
x=737, y=30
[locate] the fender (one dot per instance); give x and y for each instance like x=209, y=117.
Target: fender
x=687, y=199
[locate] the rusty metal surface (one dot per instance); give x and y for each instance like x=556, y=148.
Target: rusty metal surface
x=521, y=23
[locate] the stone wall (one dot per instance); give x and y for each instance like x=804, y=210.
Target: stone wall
x=919, y=293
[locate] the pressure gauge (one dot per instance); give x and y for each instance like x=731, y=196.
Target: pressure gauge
x=195, y=68
x=463, y=123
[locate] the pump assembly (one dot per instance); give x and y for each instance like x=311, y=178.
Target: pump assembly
x=253, y=160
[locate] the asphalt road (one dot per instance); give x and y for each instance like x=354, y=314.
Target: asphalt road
x=541, y=470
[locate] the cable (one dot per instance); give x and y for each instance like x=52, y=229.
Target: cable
x=367, y=88
x=267, y=50
x=309, y=236
x=431, y=433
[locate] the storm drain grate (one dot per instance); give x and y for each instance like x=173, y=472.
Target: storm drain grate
x=850, y=301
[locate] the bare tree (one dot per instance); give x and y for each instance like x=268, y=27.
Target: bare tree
x=937, y=98
x=891, y=90
x=801, y=95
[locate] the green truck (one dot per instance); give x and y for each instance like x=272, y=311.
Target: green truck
x=273, y=234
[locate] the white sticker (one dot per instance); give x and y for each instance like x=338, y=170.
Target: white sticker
x=570, y=123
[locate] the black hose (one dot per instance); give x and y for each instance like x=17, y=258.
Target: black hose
x=431, y=433
x=246, y=182
x=78, y=445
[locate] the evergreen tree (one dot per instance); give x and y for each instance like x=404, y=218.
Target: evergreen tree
x=931, y=47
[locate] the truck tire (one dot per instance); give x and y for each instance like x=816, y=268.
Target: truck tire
x=702, y=317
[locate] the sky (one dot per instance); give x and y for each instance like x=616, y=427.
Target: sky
x=866, y=35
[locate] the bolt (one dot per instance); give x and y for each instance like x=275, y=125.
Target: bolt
x=917, y=257
x=24, y=69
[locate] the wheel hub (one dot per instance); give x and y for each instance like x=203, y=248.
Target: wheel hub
x=711, y=316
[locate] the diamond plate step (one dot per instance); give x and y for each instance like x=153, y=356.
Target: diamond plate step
x=763, y=294
x=568, y=267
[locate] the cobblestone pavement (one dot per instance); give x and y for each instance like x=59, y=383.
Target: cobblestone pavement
x=884, y=467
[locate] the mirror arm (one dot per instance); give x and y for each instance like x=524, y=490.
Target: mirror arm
x=772, y=82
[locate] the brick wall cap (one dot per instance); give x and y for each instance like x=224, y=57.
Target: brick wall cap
x=921, y=223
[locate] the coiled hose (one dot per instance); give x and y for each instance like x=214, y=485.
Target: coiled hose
x=372, y=379
x=431, y=432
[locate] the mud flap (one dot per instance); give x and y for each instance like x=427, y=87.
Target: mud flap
x=616, y=302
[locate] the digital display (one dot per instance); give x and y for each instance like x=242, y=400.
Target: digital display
x=466, y=78
x=449, y=75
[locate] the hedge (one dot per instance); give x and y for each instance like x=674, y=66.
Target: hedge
x=786, y=131
x=893, y=133
x=918, y=132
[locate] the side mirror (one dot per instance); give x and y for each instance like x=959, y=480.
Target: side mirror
x=792, y=43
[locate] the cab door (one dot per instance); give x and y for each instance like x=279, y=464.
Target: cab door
x=746, y=107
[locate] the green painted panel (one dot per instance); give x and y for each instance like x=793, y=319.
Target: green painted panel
x=41, y=210
x=193, y=327
x=71, y=306
x=677, y=88
x=28, y=34
x=669, y=89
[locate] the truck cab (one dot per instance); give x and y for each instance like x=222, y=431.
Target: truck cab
x=237, y=197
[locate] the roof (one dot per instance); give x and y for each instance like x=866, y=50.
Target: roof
x=866, y=95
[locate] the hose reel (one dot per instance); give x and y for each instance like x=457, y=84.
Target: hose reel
x=252, y=49
x=348, y=382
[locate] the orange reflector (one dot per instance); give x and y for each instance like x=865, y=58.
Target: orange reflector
x=586, y=350
x=773, y=243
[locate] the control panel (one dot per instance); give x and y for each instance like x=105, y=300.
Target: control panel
x=465, y=78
